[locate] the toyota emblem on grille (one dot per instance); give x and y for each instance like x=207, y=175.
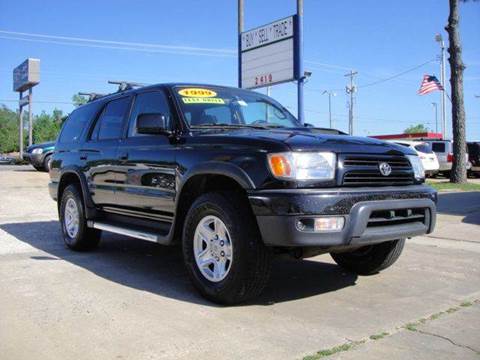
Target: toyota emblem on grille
x=385, y=169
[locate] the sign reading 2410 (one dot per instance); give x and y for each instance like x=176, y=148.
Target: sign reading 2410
x=267, y=55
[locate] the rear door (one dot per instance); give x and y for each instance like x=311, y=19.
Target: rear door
x=100, y=151
x=146, y=172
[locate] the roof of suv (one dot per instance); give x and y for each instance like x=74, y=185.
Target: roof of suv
x=160, y=85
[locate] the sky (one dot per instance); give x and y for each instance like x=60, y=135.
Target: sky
x=196, y=41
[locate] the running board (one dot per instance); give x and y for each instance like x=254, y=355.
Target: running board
x=148, y=236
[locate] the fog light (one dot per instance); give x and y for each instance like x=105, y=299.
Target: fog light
x=329, y=223
x=321, y=224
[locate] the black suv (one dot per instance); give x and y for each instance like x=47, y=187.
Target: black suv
x=235, y=179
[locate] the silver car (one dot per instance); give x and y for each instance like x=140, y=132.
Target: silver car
x=444, y=151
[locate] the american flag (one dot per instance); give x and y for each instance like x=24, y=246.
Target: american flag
x=429, y=83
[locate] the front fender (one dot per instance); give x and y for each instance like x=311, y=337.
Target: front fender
x=219, y=168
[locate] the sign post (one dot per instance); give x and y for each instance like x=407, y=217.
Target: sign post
x=272, y=54
x=25, y=77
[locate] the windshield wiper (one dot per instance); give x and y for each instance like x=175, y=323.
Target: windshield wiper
x=226, y=126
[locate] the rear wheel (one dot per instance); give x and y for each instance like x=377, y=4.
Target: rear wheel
x=223, y=250
x=370, y=259
x=76, y=234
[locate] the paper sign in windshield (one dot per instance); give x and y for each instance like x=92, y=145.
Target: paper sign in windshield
x=202, y=100
x=197, y=92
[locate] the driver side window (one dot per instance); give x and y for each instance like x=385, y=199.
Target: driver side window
x=149, y=102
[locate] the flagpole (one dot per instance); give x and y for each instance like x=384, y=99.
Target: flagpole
x=439, y=39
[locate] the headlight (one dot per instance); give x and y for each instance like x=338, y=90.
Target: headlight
x=302, y=166
x=417, y=166
x=37, y=151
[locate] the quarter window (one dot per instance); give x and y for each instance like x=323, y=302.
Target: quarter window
x=76, y=122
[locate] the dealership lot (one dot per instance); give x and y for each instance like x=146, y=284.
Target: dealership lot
x=132, y=299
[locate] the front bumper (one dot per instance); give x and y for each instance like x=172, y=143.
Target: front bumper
x=278, y=212
x=34, y=159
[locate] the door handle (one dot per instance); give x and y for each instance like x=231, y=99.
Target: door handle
x=83, y=157
x=124, y=156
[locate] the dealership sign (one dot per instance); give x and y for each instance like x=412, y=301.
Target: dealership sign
x=268, y=54
x=26, y=75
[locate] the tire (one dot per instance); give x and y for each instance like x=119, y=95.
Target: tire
x=47, y=163
x=248, y=270
x=83, y=238
x=370, y=259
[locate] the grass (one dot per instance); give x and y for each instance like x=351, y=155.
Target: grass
x=448, y=186
x=379, y=336
x=412, y=326
x=328, y=352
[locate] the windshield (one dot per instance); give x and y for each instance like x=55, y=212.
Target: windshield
x=212, y=106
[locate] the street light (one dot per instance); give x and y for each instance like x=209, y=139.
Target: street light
x=435, y=105
x=439, y=39
x=330, y=94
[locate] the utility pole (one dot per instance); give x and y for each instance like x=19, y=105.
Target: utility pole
x=301, y=80
x=350, y=90
x=330, y=94
x=435, y=105
x=443, y=103
x=240, y=30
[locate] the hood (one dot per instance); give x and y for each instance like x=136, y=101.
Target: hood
x=45, y=145
x=310, y=139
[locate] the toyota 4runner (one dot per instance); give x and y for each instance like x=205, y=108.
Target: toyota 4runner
x=235, y=179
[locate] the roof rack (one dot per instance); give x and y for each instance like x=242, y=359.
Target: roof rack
x=125, y=85
x=91, y=95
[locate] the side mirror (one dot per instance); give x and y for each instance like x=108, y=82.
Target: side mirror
x=308, y=125
x=152, y=123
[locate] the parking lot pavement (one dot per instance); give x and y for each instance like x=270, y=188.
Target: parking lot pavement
x=132, y=299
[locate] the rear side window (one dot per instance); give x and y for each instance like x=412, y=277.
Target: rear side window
x=424, y=148
x=110, y=124
x=147, y=103
x=76, y=123
x=438, y=147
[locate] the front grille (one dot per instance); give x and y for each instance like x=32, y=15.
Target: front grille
x=396, y=217
x=363, y=170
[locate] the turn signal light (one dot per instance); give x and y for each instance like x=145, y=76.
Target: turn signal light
x=280, y=166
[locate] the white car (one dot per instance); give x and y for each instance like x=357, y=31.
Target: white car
x=425, y=153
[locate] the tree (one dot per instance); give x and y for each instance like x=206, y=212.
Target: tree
x=46, y=127
x=79, y=100
x=419, y=128
x=459, y=168
x=8, y=130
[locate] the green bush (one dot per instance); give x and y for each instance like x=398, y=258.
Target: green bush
x=45, y=128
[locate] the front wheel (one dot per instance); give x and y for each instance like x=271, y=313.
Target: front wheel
x=370, y=259
x=47, y=163
x=223, y=250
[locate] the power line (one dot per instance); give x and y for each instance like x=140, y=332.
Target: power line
x=126, y=48
x=396, y=75
x=40, y=101
x=122, y=43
